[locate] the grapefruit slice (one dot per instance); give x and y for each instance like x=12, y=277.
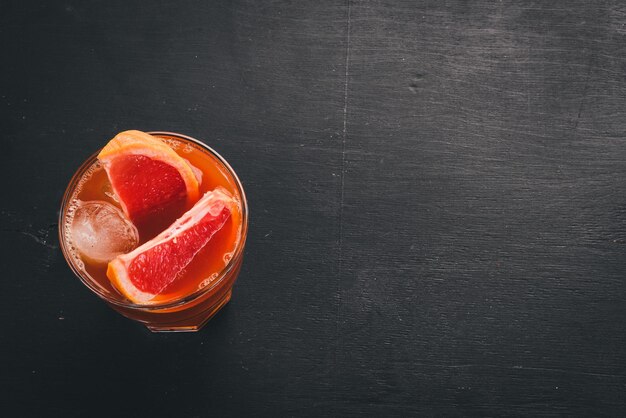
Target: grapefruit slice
x=147, y=175
x=146, y=271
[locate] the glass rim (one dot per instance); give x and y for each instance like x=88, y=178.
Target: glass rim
x=228, y=268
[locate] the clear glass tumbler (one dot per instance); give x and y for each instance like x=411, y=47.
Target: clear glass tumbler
x=188, y=312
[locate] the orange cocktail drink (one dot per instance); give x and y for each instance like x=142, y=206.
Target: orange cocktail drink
x=156, y=230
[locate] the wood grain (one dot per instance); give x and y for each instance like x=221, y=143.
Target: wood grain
x=437, y=211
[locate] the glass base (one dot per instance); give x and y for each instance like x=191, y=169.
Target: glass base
x=192, y=324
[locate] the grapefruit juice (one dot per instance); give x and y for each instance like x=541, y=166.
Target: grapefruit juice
x=205, y=284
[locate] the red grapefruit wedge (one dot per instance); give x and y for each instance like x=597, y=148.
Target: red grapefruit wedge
x=147, y=175
x=146, y=271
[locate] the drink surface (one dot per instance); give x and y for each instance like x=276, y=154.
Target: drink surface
x=206, y=265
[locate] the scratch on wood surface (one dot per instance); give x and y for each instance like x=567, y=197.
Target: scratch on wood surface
x=520, y=367
x=343, y=170
x=39, y=239
x=344, y=136
x=40, y=236
x=584, y=96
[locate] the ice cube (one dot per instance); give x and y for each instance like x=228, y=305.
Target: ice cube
x=100, y=231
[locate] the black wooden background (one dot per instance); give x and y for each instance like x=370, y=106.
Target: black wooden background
x=438, y=218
